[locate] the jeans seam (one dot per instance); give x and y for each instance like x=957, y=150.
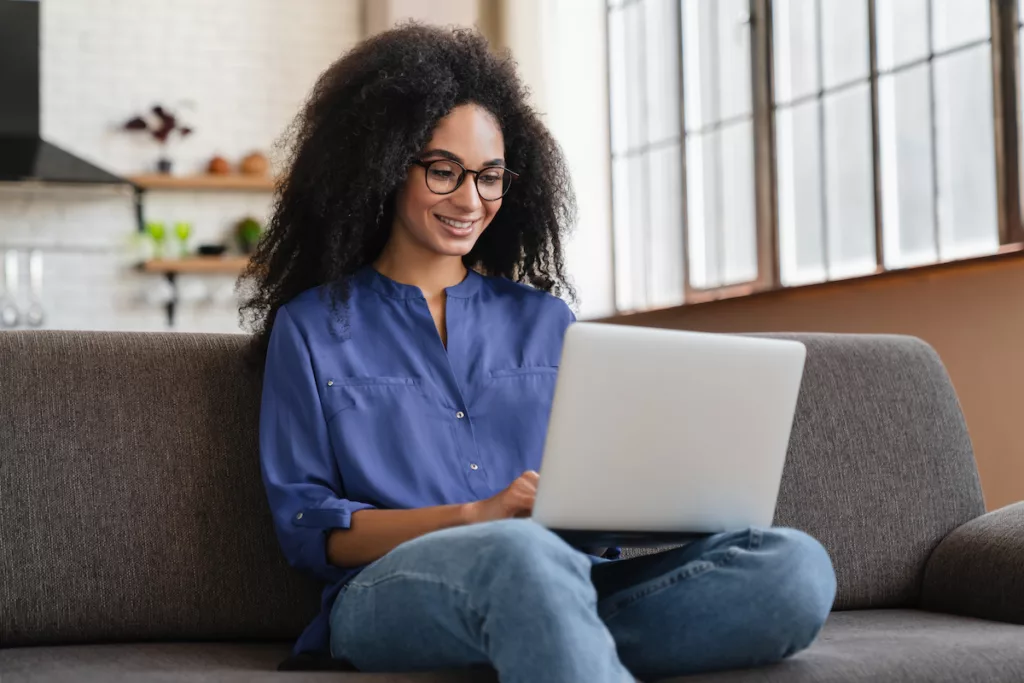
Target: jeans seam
x=690, y=570
x=330, y=640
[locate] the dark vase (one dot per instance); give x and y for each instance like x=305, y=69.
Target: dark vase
x=164, y=165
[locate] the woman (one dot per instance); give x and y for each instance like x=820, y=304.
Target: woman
x=404, y=307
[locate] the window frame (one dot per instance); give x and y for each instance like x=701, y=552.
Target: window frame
x=1005, y=55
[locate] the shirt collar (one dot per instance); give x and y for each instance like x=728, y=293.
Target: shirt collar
x=385, y=286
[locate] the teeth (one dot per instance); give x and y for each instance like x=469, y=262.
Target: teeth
x=458, y=225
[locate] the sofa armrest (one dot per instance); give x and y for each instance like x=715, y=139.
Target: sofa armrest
x=977, y=570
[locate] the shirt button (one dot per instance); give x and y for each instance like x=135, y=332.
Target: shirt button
x=473, y=466
x=298, y=516
x=460, y=415
x=330, y=382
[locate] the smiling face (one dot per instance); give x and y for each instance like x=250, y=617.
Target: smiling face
x=450, y=224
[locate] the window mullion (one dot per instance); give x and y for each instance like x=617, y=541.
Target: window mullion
x=688, y=290
x=1006, y=110
x=876, y=154
x=765, y=184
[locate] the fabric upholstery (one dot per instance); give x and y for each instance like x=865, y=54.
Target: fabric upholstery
x=880, y=467
x=854, y=647
x=131, y=505
x=904, y=646
x=978, y=570
x=187, y=663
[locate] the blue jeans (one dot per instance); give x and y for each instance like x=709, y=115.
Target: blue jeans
x=514, y=595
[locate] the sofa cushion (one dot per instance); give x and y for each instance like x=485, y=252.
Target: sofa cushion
x=131, y=504
x=186, y=663
x=880, y=466
x=907, y=646
x=854, y=647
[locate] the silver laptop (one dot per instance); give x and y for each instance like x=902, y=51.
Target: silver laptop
x=660, y=435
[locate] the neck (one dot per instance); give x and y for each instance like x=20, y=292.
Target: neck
x=429, y=271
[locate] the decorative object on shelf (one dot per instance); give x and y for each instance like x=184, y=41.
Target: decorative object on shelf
x=211, y=249
x=255, y=164
x=248, y=232
x=161, y=124
x=204, y=182
x=182, y=231
x=158, y=232
x=219, y=166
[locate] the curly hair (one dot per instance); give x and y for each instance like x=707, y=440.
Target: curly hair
x=368, y=116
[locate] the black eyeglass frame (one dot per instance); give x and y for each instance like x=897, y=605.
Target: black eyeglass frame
x=462, y=177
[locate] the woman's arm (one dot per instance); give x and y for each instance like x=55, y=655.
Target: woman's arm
x=374, y=533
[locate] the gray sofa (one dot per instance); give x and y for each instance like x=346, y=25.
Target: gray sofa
x=136, y=544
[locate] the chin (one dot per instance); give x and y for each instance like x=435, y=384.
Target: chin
x=449, y=247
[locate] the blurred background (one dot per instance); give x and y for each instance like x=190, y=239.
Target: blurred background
x=717, y=146
x=120, y=90
x=741, y=165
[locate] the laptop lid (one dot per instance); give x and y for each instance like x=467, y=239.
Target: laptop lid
x=666, y=431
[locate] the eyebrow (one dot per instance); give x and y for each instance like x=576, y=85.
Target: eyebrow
x=455, y=157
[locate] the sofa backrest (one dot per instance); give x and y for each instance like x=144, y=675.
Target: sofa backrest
x=880, y=467
x=131, y=506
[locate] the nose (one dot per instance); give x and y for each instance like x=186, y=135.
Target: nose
x=467, y=197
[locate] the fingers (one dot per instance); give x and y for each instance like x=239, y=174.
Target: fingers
x=525, y=497
x=524, y=485
x=530, y=479
x=530, y=475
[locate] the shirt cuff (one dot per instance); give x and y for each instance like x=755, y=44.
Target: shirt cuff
x=338, y=515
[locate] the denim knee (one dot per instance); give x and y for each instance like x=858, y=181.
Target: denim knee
x=802, y=585
x=524, y=561
x=522, y=538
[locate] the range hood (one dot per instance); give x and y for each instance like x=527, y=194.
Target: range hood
x=24, y=155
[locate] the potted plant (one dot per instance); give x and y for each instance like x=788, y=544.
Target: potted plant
x=161, y=124
x=248, y=231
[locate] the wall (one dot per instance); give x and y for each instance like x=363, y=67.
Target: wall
x=238, y=69
x=971, y=313
x=384, y=14
x=560, y=46
x=247, y=65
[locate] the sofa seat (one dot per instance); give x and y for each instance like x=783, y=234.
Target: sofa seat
x=904, y=646
x=185, y=663
x=868, y=646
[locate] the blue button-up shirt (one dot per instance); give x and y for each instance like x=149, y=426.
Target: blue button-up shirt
x=374, y=411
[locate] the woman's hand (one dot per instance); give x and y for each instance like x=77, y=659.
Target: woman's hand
x=515, y=501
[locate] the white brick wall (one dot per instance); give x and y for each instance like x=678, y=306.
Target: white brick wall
x=247, y=65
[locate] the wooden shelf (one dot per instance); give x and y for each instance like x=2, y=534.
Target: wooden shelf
x=204, y=183
x=197, y=265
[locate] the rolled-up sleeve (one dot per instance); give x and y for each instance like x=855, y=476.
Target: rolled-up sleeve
x=304, y=487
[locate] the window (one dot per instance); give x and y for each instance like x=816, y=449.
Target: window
x=646, y=153
x=807, y=140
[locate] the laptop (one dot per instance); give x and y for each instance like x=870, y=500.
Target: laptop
x=659, y=436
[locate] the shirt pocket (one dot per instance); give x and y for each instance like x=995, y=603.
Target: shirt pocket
x=346, y=393
x=393, y=442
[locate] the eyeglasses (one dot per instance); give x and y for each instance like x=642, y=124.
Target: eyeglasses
x=444, y=176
